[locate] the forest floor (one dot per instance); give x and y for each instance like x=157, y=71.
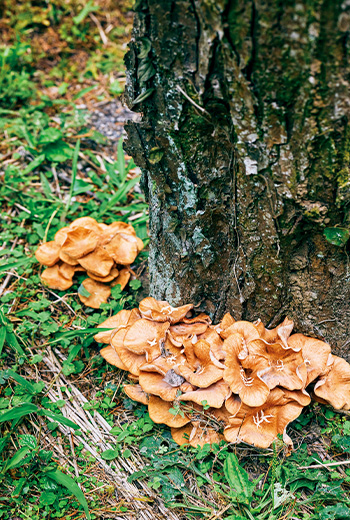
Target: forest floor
x=72, y=445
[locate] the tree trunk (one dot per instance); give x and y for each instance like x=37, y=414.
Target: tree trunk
x=244, y=144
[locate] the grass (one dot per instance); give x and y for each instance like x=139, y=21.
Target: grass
x=72, y=445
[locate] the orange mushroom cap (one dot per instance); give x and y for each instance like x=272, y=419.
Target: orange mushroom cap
x=48, y=253
x=53, y=278
x=122, y=279
x=146, y=337
x=182, y=331
x=334, y=388
x=212, y=337
x=114, y=273
x=225, y=323
x=200, y=318
x=154, y=384
x=99, y=293
x=244, y=328
x=120, y=320
x=111, y=356
x=163, y=311
x=162, y=364
x=281, y=332
x=109, y=232
x=213, y=396
x=159, y=413
x=133, y=362
x=122, y=248
x=66, y=270
x=245, y=380
x=203, y=373
x=259, y=426
x=136, y=393
x=98, y=262
x=315, y=353
x=86, y=222
x=285, y=368
x=61, y=235
x=233, y=404
x=80, y=241
x=67, y=259
x=195, y=435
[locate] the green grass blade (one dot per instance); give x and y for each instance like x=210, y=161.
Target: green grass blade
x=18, y=456
x=2, y=337
x=59, y=418
x=74, y=173
x=68, y=482
x=11, y=340
x=18, y=412
x=26, y=384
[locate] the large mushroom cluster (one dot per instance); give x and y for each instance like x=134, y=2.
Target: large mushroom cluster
x=100, y=250
x=236, y=380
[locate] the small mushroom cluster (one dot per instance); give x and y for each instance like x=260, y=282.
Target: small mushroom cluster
x=100, y=250
x=236, y=380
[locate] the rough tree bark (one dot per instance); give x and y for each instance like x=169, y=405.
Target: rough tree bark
x=244, y=144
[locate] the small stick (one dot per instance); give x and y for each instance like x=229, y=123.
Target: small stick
x=326, y=464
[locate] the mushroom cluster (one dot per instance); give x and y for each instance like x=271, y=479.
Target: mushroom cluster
x=236, y=380
x=100, y=250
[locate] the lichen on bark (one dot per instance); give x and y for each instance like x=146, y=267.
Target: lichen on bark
x=249, y=120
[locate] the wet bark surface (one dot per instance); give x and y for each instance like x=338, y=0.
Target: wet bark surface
x=244, y=146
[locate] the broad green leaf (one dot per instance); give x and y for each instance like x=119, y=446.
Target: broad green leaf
x=116, y=88
x=238, y=480
x=47, y=498
x=339, y=511
x=68, y=482
x=16, y=459
x=14, y=265
x=18, y=412
x=28, y=440
x=110, y=454
x=337, y=236
x=59, y=418
x=49, y=135
x=119, y=195
x=59, y=151
x=145, y=71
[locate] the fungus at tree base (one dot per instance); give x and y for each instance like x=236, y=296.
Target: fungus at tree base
x=236, y=380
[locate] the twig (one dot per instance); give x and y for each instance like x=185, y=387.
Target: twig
x=99, y=27
x=201, y=109
x=342, y=463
